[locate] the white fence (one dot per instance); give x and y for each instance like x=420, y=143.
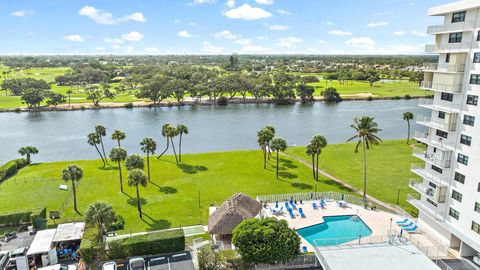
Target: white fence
x=302, y=261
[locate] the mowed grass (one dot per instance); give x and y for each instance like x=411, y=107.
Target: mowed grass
x=172, y=199
x=388, y=89
x=388, y=168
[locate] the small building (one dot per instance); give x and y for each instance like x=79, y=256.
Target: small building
x=42, y=250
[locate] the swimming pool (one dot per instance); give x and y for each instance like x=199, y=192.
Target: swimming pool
x=335, y=230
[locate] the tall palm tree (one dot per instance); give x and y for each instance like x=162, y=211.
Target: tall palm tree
x=73, y=173
x=148, y=147
x=182, y=129
x=118, y=155
x=166, y=131
x=28, y=151
x=101, y=215
x=118, y=136
x=134, y=162
x=314, y=149
x=366, y=130
x=173, y=132
x=278, y=144
x=264, y=136
x=69, y=93
x=94, y=140
x=407, y=116
x=135, y=178
x=272, y=129
x=101, y=131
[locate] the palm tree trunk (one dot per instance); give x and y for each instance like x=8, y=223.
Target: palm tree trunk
x=74, y=196
x=118, y=141
x=148, y=165
x=264, y=157
x=313, y=166
x=174, y=152
x=120, y=172
x=28, y=158
x=408, y=135
x=316, y=174
x=180, y=148
x=269, y=153
x=277, y=164
x=103, y=150
x=139, y=206
x=100, y=154
x=164, y=151
x=364, y=172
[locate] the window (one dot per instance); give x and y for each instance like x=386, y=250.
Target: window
x=458, y=16
x=455, y=37
x=475, y=227
x=467, y=140
x=441, y=115
x=432, y=202
x=454, y=213
x=478, y=35
x=475, y=79
x=462, y=159
x=472, y=100
x=446, y=96
x=459, y=177
x=477, y=207
x=437, y=169
x=432, y=185
x=441, y=133
x=457, y=195
x=469, y=120
x=478, y=188
x=447, y=58
x=476, y=56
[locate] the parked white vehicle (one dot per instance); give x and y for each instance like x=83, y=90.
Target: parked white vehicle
x=136, y=264
x=476, y=259
x=4, y=257
x=109, y=266
x=59, y=267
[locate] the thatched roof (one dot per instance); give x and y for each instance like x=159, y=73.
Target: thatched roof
x=232, y=212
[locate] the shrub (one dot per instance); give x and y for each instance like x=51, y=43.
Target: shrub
x=331, y=95
x=370, y=98
x=39, y=214
x=408, y=96
x=90, y=247
x=22, y=217
x=396, y=97
x=222, y=101
x=17, y=110
x=129, y=105
x=117, y=250
x=119, y=224
x=10, y=168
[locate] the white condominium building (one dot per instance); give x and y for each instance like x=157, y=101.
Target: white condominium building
x=449, y=201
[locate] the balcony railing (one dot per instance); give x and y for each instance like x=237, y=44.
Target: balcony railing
x=436, y=141
x=414, y=199
x=460, y=26
x=430, y=85
x=444, y=67
x=463, y=46
x=427, y=121
x=432, y=158
x=419, y=169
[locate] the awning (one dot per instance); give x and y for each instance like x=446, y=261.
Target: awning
x=42, y=243
x=69, y=232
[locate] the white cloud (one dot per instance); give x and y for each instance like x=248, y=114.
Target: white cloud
x=133, y=36
x=247, y=12
x=255, y=49
x=225, y=34
x=184, y=34
x=283, y=12
x=262, y=38
x=264, y=2
x=400, y=49
x=74, y=38
x=230, y=3
x=278, y=27
x=322, y=42
x=361, y=42
x=151, y=50
x=399, y=33
x=22, y=13
x=104, y=17
x=176, y=21
x=289, y=42
x=329, y=23
x=377, y=24
x=114, y=41
x=312, y=50
x=212, y=49
x=100, y=49
x=243, y=41
x=339, y=33
x=382, y=13
x=418, y=33
x=192, y=24
x=199, y=2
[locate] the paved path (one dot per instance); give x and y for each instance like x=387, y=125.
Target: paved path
x=340, y=182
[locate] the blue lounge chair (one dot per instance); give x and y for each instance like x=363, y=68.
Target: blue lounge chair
x=276, y=204
x=403, y=221
x=290, y=211
x=304, y=249
x=294, y=206
x=412, y=229
x=300, y=210
x=314, y=206
x=406, y=225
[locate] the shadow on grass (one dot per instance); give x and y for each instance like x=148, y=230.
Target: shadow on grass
x=155, y=224
x=287, y=175
x=167, y=190
x=333, y=183
x=192, y=169
x=301, y=185
x=133, y=201
x=108, y=168
x=286, y=164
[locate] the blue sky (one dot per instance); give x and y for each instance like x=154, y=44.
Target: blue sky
x=215, y=26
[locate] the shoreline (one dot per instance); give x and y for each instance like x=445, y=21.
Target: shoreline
x=146, y=104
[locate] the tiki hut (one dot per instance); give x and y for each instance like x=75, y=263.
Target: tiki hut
x=231, y=213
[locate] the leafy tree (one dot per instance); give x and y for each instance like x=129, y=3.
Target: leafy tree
x=181, y=129
x=155, y=90
x=73, y=173
x=134, y=162
x=148, y=147
x=305, y=92
x=18, y=86
x=416, y=76
x=372, y=76
x=331, y=95
x=264, y=136
x=94, y=140
x=101, y=215
x=101, y=131
x=266, y=240
x=33, y=97
x=53, y=99
x=118, y=136
x=135, y=178
x=118, y=155
x=366, y=130
x=28, y=151
x=407, y=116
x=278, y=144
x=314, y=149
x=96, y=94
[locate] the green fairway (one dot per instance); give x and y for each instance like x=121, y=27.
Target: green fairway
x=389, y=89
x=172, y=199
x=388, y=168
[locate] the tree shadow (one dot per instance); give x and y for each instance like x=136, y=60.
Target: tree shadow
x=330, y=182
x=192, y=169
x=301, y=185
x=286, y=164
x=133, y=201
x=287, y=175
x=167, y=190
x=108, y=168
x=155, y=224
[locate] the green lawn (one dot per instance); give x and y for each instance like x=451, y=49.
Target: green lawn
x=379, y=89
x=171, y=200
x=388, y=168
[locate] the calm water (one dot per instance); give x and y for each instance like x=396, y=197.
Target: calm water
x=62, y=135
x=335, y=230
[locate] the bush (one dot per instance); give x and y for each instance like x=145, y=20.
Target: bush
x=408, y=97
x=10, y=168
x=222, y=101
x=396, y=97
x=39, y=214
x=331, y=95
x=17, y=110
x=119, y=224
x=129, y=105
x=22, y=217
x=90, y=247
x=117, y=250
x=222, y=259
x=370, y=98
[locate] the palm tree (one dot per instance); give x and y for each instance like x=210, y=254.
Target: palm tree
x=272, y=129
x=134, y=162
x=278, y=144
x=94, y=140
x=28, y=151
x=73, y=173
x=173, y=132
x=101, y=215
x=366, y=130
x=118, y=136
x=135, y=178
x=264, y=136
x=118, y=155
x=166, y=130
x=182, y=129
x=102, y=131
x=407, y=116
x=148, y=147
x=69, y=93
x=314, y=149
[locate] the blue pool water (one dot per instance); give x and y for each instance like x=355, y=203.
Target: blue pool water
x=335, y=230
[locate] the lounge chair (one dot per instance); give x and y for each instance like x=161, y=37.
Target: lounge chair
x=300, y=210
x=315, y=207
x=294, y=206
x=412, y=229
x=304, y=249
x=406, y=225
x=290, y=211
x=276, y=204
x=403, y=221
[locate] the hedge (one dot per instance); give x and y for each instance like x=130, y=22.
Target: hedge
x=90, y=247
x=151, y=244
x=10, y=168
x=21, y=217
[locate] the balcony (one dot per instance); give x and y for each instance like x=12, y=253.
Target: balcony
x=443, y=67
x=432, y=86
x=439, y=158
x=429, y=122
x=420, y=170
x=459, y=47
x=444, y=106
x=437, y=194
x=415, y=200
x=451, y=27
x=435, y=141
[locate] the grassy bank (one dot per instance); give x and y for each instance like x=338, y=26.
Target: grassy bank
x=390, y=89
